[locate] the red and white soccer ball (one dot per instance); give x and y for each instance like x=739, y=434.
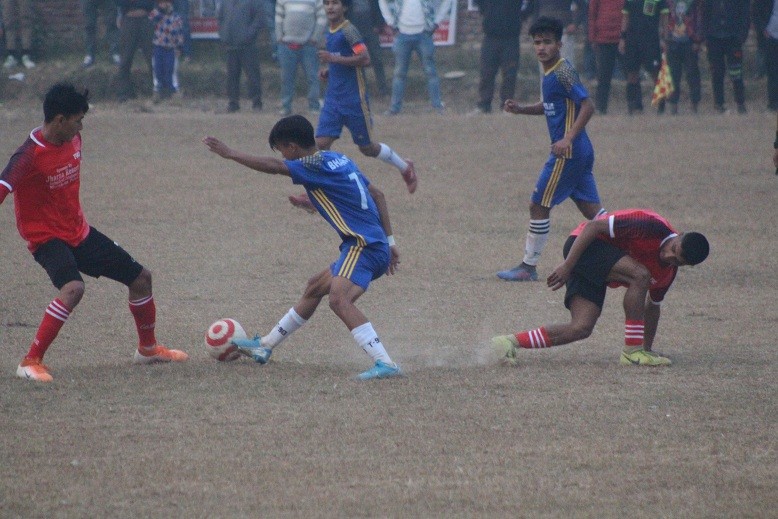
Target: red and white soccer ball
x=217, y=339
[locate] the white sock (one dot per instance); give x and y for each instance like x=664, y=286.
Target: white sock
x=369, y=341
x=284, y=328
x=536, y=240
x=388, y=155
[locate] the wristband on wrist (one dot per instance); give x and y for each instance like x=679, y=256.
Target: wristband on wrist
x=390, y=240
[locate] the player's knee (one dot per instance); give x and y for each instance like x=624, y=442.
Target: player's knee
x=71, y=293
x=640, y=276
x=581, y=331
x=142, y=283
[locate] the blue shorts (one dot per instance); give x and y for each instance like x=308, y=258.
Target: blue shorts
x=355, y=116
x=563, y=178
x=361, y=265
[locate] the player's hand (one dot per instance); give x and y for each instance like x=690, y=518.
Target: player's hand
x=217, y=146
x=558, y=277
x=324, y=74
x=325, y=56
x=394, y=261
x=511, y=106
x=560, y=147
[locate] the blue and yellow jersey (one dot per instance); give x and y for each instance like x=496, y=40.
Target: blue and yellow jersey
x=339, y=191
x=345, y=85
x=563, y=94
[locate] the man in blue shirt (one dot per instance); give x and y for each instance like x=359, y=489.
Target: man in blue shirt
x=568, y=173
x=356, y=210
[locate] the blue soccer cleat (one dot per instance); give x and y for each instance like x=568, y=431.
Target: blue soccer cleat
x=253, y=348
x=380, y=370
x=519, y=273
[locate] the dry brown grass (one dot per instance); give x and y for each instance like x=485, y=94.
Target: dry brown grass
x=569, y=432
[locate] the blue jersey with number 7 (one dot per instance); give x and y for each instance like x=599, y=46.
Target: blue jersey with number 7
x=339, y=192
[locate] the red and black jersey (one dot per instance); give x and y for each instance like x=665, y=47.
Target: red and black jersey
x=45, y=181
x=641, y=233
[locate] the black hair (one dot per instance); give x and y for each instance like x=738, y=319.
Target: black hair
x=293, y=129
x=545, y=24
x=64, y=99
x=694, y=247
x=346, y=4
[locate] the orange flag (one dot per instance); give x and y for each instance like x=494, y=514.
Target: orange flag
x=664, y=83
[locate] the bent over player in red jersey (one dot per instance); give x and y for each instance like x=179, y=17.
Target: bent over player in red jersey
x=44, y=176
x=634, y=248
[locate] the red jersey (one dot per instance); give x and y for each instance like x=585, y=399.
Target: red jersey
x=45, y=180
x=641, y=233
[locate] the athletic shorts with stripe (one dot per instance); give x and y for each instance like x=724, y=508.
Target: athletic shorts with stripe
x=589, y=278
x=563, y=178
x=355, y=117
x=361, y=265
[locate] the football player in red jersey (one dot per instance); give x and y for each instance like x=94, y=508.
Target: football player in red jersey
x=44, y=175
x=633, y=248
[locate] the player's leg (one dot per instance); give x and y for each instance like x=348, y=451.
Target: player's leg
x=631, y=65
x=261, y=348
x=546, y=194
x=60, y=264
x=383, y=152
x=734, y=55
x=716, y=52
x=585, y=194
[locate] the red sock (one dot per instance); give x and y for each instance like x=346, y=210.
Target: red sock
x=633, y=332
x=53, y=320
x=145, y=313
x=534, y=338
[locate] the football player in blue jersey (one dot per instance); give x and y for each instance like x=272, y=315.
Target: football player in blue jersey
x=568, y=172
x=345, y=100
x=356, y=210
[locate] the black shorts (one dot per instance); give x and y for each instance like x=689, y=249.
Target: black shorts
x=642, y=51
x=589, y=278
x=96, y=256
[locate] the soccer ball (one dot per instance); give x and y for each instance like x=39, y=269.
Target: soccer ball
x=217, y=339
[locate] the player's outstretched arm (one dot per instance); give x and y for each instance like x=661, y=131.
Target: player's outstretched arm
x=512, y=106
x=383, y=212
x=269, y=165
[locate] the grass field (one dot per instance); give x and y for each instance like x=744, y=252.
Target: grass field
x=567, y=433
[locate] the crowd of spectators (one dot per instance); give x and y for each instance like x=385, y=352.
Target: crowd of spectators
x=602, y=38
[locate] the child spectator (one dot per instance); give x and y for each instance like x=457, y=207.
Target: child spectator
x=168, y=42
x=684, y=40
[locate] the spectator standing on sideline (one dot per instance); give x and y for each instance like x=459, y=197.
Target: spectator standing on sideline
x=725, y=24
x=136, y=31
x=239, y=25
x=168, y=42
x=765, y=16
x=684, y=41
x=18, y=22
x=366, y=17
x=501, y=22
x=413, y=23
x=643, y=30
x=299, y=28
x=604, y=35
x=92, y=10
x=182, y=8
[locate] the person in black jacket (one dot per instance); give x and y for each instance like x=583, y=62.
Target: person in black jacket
x=725, y=25
x=500, y=49
x=765, y=16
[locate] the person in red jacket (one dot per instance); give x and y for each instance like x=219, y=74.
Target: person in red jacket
x=44, y=174
x=604, y=34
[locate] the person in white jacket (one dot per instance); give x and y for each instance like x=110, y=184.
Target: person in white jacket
x=413, y=23
x=299, y=26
